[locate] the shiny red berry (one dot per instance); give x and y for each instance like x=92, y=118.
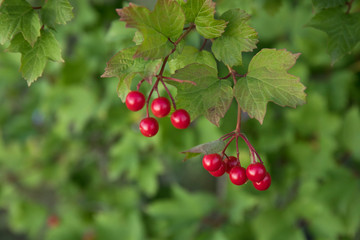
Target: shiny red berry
x=149, y=127
x=160, y=107
x=238, y=175
x=212, y=162
x=53, y=221
x=230, y=163
x=135, y=101
x=180, y=119
x=256, y=172
x=220, y=171
x=263, y=184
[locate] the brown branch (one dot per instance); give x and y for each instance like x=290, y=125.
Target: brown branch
x=349, y=4
x=203, y=45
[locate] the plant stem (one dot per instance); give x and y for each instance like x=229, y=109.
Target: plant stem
x=179, y=80
x=139, y=84
x=349, y=4
x=36, y=7
x=203, y=45
x=227, y=76
x=237, y=149
x=148, y=98
x=168, y=92
x=226, y=146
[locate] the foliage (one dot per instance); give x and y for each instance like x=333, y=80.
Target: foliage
x=69, y=147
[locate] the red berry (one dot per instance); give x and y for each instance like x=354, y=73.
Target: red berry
x=230, y=163
x=53, y=221
x=160, y=107
x=256, y=172
x=180, y=119
x=135, y=101
x=149, y=127
x=238, y=175
x=263, y=184
x=212, y=162
x=220, y=171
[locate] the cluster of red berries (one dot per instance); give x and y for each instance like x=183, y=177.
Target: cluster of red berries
x=160, y=107
x=255, y=172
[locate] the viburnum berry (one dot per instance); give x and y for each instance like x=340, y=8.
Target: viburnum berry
x=149, y=127
x=212, y=162
x=180, y=119
x=238, y=175
x=231, y=162
x=255, y=172
x=160, y=107
x=135, y=101
x=220, y=171
x=263, y=184
x=53, y=221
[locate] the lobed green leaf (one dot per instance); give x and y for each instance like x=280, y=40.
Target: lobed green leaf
x=201, y=12
x=343, y=30
x=125, y=68
x=267, y=80
x=210, y=97
x=18, y=16
x=33, y=59
x=238, y=37
x=56, y=12
x=165, y=22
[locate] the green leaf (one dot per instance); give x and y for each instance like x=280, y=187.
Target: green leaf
x=33, y=59
x=166, y=21
x=125, y=67
x=192, y=55
x=56, y=12
x=205, y=148
x=201, y=12
x=350, y=134
x=238, y=37
x=267, y=80
x=210, y=97
x=328, y=3
x=18, y=16
x=343, y=30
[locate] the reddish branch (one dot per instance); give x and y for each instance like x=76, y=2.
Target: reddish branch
x=349, y=5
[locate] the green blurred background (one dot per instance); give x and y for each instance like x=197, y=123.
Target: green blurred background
x=71, y=151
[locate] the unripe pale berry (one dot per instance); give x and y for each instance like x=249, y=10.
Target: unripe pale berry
x=212, y=162
x=256, y=172
x=180, y=119
x=160, y=107
x=263, y=184
x=135, y=101
x=238, y=175
x=149, y=127
x=220, y=171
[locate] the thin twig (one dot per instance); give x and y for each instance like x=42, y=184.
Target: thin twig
x=203, y=45
x=179, y=80
x=226, y=146
x=168, y=92
x=349, y=4
x=139, y=84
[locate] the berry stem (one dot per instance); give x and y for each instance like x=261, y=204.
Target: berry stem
x=226, y=135
x=251, y=148
x=178, y=80
x=226, y=146
x=168, y=92
x=139, y=84
x=148, y=98
x=237, y=149
x=203, y=45
x=349, y=5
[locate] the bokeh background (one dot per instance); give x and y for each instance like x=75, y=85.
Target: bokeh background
x=73, y=164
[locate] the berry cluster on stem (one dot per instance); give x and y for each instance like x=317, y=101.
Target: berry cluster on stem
x=160, y=107
x=218, y=164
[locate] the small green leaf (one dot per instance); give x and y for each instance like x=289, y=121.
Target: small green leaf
x=56, y=12
x=33, y=59
x=18, y=16
x=201, y=12
x=267, y=80
x=125, y=68
x=192, y=55
x=210, y=97
x=328, y=3
x=343, y=30
x=205, y=148
x=238, y=37
x=166, y=21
